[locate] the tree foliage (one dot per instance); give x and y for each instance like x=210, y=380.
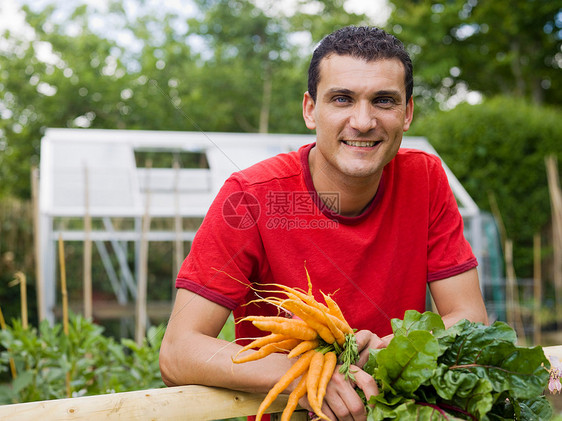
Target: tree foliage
x=487, y=46
x=498, y=147
x=240, y=66
x=234, y=67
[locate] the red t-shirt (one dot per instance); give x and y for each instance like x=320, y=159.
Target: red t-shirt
x=267, y=222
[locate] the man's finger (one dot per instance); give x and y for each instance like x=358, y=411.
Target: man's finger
x=366, y=383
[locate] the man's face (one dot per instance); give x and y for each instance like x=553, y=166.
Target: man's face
x=359, y=116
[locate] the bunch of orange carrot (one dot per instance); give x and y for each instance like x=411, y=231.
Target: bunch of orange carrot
x=317, y=334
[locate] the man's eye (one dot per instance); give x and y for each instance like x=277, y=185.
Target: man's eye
x=341, y=99
x=386, y=101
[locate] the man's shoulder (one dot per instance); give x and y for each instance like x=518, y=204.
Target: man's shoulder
x=416, y=158
x=278, y=167
x=416, y=154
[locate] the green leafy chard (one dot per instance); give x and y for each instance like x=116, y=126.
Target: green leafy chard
x=467, y=372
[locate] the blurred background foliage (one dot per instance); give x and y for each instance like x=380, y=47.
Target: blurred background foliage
x=488, y=85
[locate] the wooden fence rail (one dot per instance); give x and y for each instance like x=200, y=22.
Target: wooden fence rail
x=186, y=403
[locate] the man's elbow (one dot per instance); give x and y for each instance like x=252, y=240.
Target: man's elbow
x=168, y=368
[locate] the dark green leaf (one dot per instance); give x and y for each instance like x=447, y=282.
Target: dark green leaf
x=407, y=362
x=537, y=409
x=414, y=320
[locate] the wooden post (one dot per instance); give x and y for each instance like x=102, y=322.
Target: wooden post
x=21, y=280
x=39, y=285
x=23, y=299
x=513, y=309
x=537, y=289
x=141, y=313
x=556, y=208
x=64, y=292
x=64, y=295
x=87, y=257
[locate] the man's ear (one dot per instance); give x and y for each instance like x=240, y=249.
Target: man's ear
x=409, y=116
x=308, y=107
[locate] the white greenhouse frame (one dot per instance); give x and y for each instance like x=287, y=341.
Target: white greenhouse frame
x=93, y=172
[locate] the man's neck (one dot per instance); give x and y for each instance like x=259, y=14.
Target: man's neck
x=354, y=193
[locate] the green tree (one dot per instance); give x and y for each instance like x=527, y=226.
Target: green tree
x=234, y=67
x=499, y=147
x=58, y=80
x=487, y=46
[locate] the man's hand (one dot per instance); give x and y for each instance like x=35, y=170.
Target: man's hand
x=342, y=402
x=368, y=340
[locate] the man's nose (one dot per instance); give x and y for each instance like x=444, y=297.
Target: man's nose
x=363, y=117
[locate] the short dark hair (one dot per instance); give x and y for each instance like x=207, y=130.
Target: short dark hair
x=363, y=42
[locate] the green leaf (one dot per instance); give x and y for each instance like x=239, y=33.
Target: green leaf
x=7, y=395
x=408, y=410
x=421, y=412
x=371, y=363
x=521, y=371
x=449, y=383
x=536, y=409
x=414, y=320
x=22, y=381
x=407, y=362
x=478, y=401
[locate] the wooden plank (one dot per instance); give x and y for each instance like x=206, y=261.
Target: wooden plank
x=194, y=403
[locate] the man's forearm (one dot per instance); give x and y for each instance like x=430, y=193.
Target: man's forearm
x=204, y=360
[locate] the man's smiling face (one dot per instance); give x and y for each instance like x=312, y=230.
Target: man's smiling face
x=359, y=115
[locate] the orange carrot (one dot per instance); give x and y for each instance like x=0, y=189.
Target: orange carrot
x=303, y=347
x=264, y=340
x=312, y=316
x=264, y=351
x=260, y=318
x=341, y=325
x=312, y=381
x=308, y=280
x=297, y=369
x=335, y=310
x=338, y=334
x=308, y=299
x=294, y=397
x=330, y=361
x=294, y=328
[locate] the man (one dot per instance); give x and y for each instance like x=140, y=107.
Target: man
x=374, y=226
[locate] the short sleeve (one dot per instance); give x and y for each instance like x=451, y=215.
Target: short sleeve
x=449, y=253
x=225, y=252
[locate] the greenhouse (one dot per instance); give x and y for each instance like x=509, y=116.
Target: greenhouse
x=89, y=179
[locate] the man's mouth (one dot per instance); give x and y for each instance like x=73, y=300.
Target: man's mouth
x=361, y=144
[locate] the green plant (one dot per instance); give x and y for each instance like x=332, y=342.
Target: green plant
x=93, y=363
x=469, y=371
